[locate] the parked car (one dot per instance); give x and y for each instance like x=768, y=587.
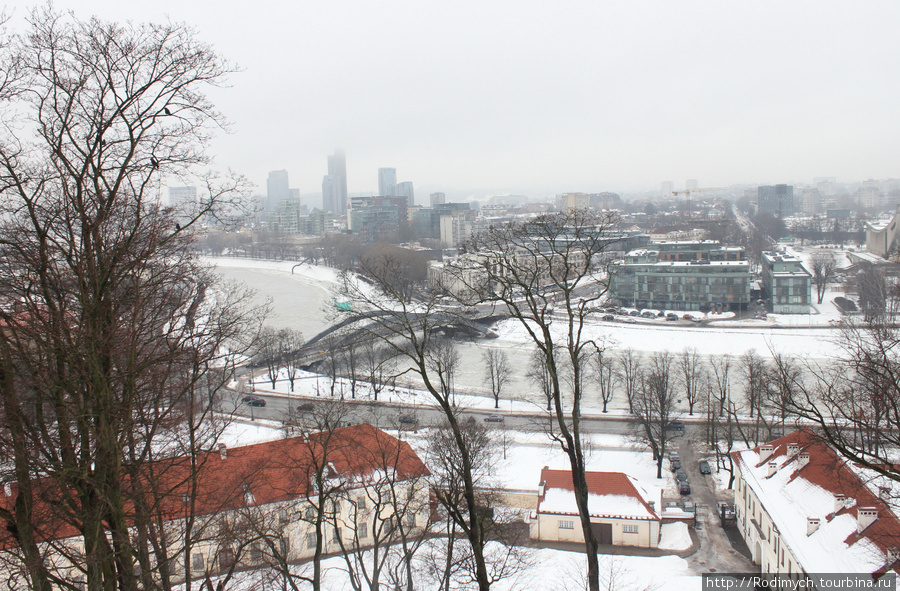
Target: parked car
x=684, y=488
x=704, y=467
x=672, y=317
x=647, y=314
x=676, y=464
x=673, y=455
x=680, y=475
x=676, y=425
x=255, y=401
x=493, y=419
x=634, y=313
x=608, y=317
x=724, y=510
x=689, y=507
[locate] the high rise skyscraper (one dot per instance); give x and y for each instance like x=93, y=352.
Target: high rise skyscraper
x=777, y=200
x=437, y=199
x=277, y=189
x=335, y=198
x=405, y=189
x=387, y=182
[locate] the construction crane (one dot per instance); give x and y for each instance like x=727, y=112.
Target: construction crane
x=687, y=193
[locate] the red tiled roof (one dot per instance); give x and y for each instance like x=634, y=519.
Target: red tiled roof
x=272, y=471
x=833, y=473
x=599, y=483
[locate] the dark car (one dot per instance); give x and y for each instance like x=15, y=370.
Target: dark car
x=704, y=467
x=407, y=422
x=724, y=510
x=676, y=463
x=672, y=317
x=680, y=475
x=493, y=419
x=255, y=401
x=647, y=314
x=676, y=425
x=684, y=488
x=608, y=317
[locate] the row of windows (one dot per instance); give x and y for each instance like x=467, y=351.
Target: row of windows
x=626, y=529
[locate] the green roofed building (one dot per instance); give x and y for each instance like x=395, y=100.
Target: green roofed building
x=693, y=275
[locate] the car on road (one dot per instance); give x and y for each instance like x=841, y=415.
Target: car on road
x=676, y=425
x=684, y=488
x=689, y=507
x=254, y=401
x=676, y=463
x=407, y=421
x=672, y=317
x=608, y=317
x=647, y=314
x=704, y=467
x=493, y=419
x=680, y=475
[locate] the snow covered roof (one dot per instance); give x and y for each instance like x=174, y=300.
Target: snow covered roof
x=610, y=494
x=803, y=479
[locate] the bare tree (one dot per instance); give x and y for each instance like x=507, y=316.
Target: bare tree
x=496, y=371
x=823, y=268
x=720, y=384
x=291, y=344
x=755, y=372
x=654, y=406
x=854, y=399
x=115, y=352
x=540, y=376
x=690, y=374
x=630, y=362
x=872, y=289
x=606, y=375
x=378, y=365
x=268, y=353
x=537, y=270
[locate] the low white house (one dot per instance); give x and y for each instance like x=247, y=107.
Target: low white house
x=622, y=511
x=257, y=505
x=804, y=509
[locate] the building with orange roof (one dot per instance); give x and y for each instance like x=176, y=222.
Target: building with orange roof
x=622, y=511
x=257, y=504
x=803, y=509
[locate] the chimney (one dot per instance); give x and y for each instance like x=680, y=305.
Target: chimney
x=541, y=489
x=773, y=467
x=652, y=505
x=765, y=451
x=223, y=451
x=7, y=489
x=812, y=524
x=803, y=459
x=840, y=501
x=793, y=449
x=865, y=516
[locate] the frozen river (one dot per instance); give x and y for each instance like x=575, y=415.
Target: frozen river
x=303, y=300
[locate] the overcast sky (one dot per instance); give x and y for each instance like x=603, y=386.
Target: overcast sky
x=481, y=96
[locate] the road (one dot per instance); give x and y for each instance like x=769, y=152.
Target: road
x=716, y=553
x=386, y=415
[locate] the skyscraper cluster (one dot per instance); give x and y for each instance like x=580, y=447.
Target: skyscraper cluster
x=389, y=187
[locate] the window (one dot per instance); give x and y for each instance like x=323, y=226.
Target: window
x=336, y=537
x=311, y=540
x=226, y=558
x=564, y=524
x=196, y=561
x=256, y=554
x=361, y=504
x=363, y=530
x=282, y=515
x=411, y=520
x=285, y=544
x=310, y=512
x=629, y=529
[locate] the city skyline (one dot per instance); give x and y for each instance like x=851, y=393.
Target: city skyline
x=512, y=98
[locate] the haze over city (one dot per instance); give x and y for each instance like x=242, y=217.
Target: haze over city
x=471, y=97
